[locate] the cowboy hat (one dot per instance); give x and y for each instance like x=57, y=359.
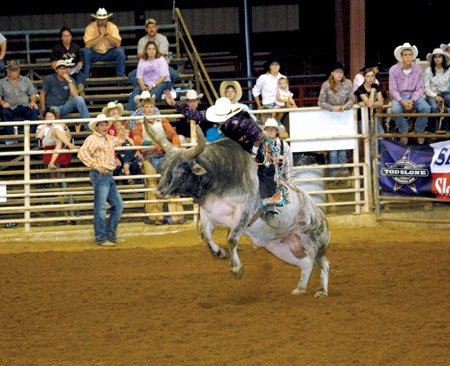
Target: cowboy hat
x=406, y=46
x=61, y=63
x=101, y=14
x=444, y=46
x=113, y=105
x=271, y=122
x=144, y=95
x=439, y=51
x=190, y=95
x=225, y=84
x=222, y=110
x=100, y=118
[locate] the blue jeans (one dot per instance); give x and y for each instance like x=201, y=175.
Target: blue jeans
x=105, y=191
x=2, y=65
x=20, y=113
x=432, y=124
x=157, y=92
x=76, y=104
x=90, y=56
x=337, y=157
x=421, y=106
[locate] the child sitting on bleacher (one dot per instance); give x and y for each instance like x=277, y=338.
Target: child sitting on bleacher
x=128, y=158
x=53, y=137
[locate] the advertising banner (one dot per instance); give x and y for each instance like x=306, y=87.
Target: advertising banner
x=422, y=170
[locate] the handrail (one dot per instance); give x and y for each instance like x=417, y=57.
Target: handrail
x=209, y=89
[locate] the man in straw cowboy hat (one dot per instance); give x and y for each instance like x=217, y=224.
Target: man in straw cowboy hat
x=437, y=81
x=237, y=125
x=102, y=41
x=406, y=88
x=97, y=153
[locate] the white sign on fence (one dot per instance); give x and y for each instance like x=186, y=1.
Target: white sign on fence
x=2, y=192
x=318, y=124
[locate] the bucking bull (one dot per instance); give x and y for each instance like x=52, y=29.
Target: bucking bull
x=222, y=178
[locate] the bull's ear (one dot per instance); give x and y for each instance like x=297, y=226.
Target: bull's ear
x=197, y=169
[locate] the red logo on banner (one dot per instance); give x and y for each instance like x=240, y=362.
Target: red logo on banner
x=441, y=185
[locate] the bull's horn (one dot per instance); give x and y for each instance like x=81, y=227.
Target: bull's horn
x=161, y=140
x=196, y=150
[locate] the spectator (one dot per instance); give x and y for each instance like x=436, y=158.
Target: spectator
x=280, y=159
x=139, y=112
x=2, y=52
x=152, y=75
x=71, y=53
x=284, y=98
x=17, y=98
x=183, y=126
x=102, y=43
x=336, y=95
x=118, y=129
x=152, y=159
x=267, y=84
x=161, y=41
x=128, y=159
x=369, y=93
x=60, y=93
x=406, y=89
x=437, y=82
x=97, y=153
x=359, y=77
x=54, y=137
x=233, y=91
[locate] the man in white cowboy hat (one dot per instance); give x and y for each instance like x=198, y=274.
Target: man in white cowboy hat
x=102, y=43
x=139, y=100
x=97, y=153
x=406, y=88
x=274, y=165
x=233, y=91
x=437, y=81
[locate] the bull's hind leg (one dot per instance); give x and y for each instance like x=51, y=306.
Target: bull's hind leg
x=207, y=229
x=283, y=252
x=324, y=267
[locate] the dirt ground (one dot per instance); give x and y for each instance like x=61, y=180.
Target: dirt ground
x=164, y=300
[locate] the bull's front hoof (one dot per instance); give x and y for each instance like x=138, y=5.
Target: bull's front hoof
x=321, y=294
x=237, y=274
x=298, y=292
x=223, y=253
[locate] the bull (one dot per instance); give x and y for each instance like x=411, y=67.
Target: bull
x=222, y=178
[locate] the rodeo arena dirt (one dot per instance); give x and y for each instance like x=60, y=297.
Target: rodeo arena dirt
x=160, y=298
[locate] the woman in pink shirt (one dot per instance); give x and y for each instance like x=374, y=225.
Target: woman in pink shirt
x=152, y=75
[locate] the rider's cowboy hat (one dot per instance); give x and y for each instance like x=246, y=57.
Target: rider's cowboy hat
x=102, y=14
x=222, y=110
x=100, y=118
x=191, y=95
x=406, y=46
x=438, y=51
x=225, y=84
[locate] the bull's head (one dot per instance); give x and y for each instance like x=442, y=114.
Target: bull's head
x=180, y=171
